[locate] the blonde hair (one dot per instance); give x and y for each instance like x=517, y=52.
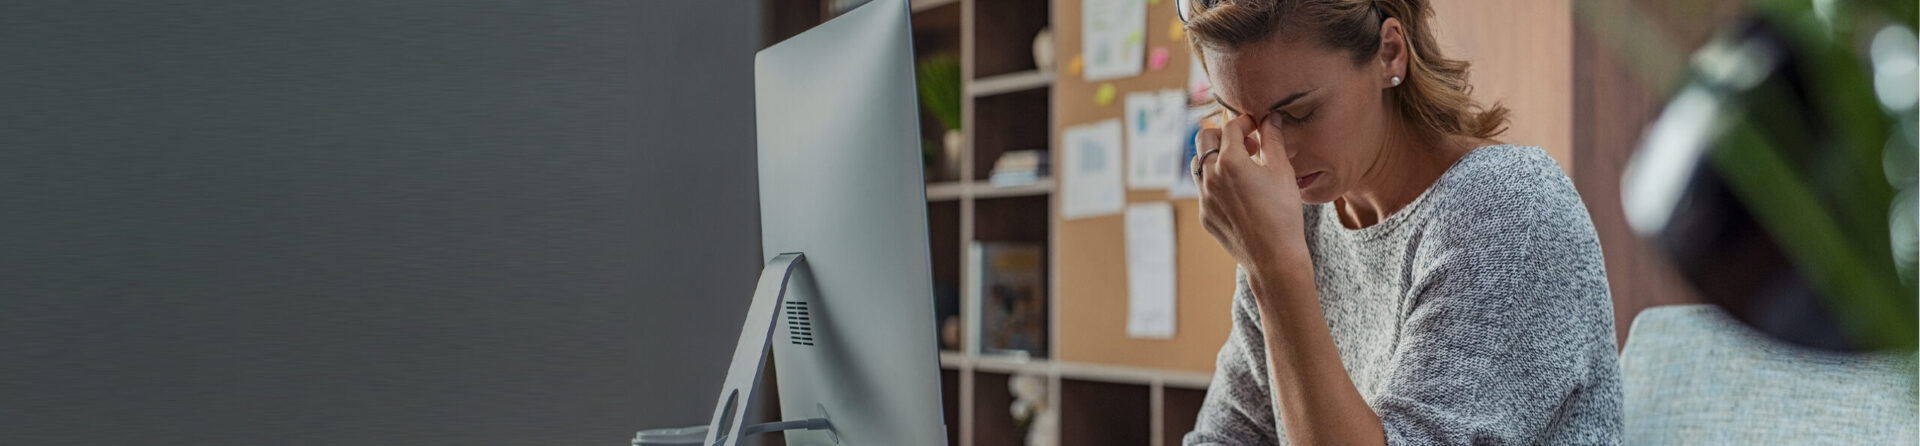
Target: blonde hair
x=1435, y=95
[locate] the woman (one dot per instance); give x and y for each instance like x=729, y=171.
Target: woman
x=1404, y=279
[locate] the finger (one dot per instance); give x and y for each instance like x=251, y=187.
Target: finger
x=1203, y=141
x=1273, y=143
x=1236, y=135
x=1206, y=139
x=1199, y=185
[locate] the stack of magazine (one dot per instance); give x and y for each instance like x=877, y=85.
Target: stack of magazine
x=1019, y=167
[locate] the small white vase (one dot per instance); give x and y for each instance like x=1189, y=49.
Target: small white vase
x=1043, y=50
x=955, y=142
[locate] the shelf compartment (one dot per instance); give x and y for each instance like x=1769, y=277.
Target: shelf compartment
x=936, y=31
x=1006, y=122
x=950, y=403
x=1011, y=219
x=1003, y=35
x=1179, y=408
x=1101, y=413
x=943, y=226
x=992, y=419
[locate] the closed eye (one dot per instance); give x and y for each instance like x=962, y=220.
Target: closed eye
x=1299, y=119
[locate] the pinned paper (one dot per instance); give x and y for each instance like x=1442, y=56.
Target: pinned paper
x=1156, y=124
x=1090, y=172
x=1150, y=271
x=1157, y=59
x=1176, y=30
x=1103, y=95
x=1183, y=186
x=1111, y=36
x=1075, y=65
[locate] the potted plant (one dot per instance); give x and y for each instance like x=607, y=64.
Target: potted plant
x=938, y=79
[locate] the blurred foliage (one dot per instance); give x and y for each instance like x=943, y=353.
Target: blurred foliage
x=1812, y=165
x=1815, y=136
x=938, y=77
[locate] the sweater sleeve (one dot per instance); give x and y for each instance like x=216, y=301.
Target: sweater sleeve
x=1495, y=340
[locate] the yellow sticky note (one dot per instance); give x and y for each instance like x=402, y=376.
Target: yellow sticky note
x=1104, y=95
x=1153, y=2
x=1177, y=30
x=1074, y=66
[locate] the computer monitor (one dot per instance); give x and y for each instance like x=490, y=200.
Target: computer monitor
x=841, y=185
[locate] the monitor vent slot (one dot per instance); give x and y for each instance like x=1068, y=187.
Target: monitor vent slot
x=799, y=323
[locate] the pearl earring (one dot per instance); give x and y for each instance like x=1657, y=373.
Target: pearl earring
x=1396, y=81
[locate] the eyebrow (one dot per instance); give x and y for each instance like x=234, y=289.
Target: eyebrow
x=1276, y=106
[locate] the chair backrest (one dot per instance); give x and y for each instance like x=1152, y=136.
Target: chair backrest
x=1692, y=375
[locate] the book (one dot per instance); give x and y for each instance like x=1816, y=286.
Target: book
x=1008, y=298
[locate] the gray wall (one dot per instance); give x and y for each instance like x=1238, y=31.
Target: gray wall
x=371, y=222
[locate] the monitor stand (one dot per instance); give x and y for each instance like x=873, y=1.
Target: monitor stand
x=787, y=270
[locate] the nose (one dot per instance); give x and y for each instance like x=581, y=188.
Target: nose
x=1290, y=150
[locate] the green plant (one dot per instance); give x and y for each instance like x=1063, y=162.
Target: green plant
x=1814, y=136
x=938, y=79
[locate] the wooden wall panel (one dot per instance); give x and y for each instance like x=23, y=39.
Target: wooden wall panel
x=1521, y=56
x=1613, y=108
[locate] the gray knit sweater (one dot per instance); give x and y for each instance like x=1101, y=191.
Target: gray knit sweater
x=1478, y=314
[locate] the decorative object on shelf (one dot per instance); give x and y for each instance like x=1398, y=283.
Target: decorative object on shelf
x=950, y=333
x=938, y=79
x=1043, y=50
x=1031, y=411
x=1009, y=298
x=1018, y=168
x=954, y=143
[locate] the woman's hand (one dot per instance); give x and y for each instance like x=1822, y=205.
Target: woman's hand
x=1249, y=201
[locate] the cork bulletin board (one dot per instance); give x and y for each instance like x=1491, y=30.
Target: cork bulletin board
x=1092, y=305
x=1521, y=51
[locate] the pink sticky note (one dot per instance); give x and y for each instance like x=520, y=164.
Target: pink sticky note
x=1157, y=59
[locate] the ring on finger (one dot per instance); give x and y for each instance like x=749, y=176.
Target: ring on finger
x=1200, y=163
